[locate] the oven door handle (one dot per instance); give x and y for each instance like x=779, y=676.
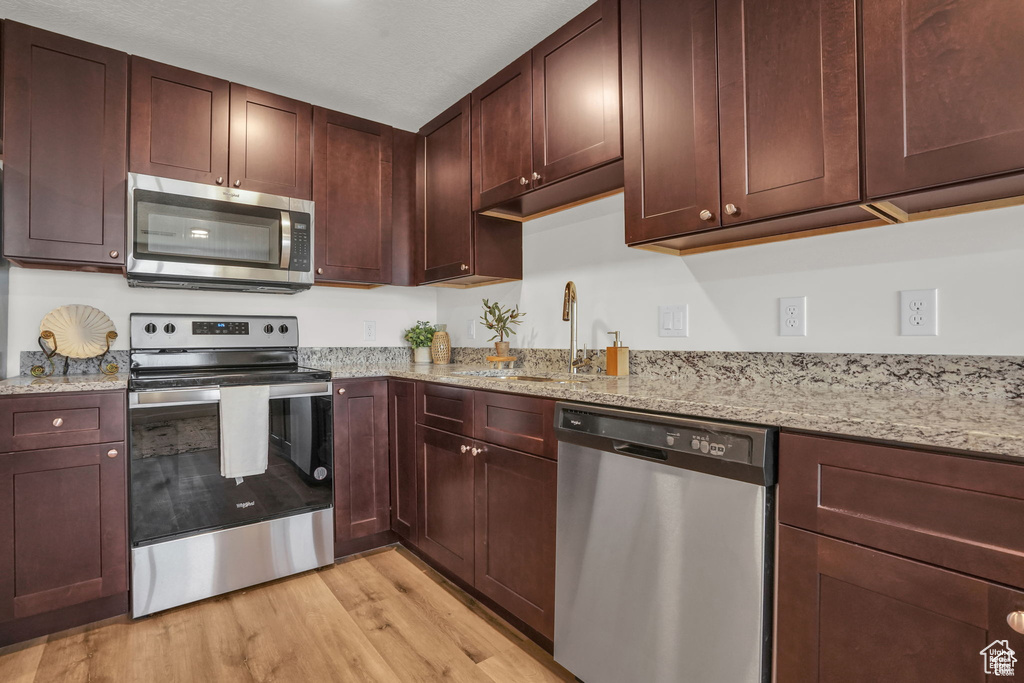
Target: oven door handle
x=188, y=397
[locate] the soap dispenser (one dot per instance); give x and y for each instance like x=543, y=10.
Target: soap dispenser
x=618, y=358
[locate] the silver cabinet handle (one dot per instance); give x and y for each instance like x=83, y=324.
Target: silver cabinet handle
x=319, y=271
x=238, y=183
x=58, y=422
x=476, y=451
x=464, y=448
x=706, y=215
x=1016, y=621
x=464, y=267
x=112, y=453
x=536, y=176
x=341, y=391
x=523, y=181
x=731, y=209
x=113, y=253
x=220, y=180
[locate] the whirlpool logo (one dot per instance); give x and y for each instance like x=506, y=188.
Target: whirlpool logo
x=246, y=504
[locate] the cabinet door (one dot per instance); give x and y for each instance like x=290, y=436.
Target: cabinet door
x=445, y=488
x=270, y=143
x=352, y=191
x=515, y=533
x=63, y=530
x=670, y=117
x=576, y=118
x=402, y=442
x=445, y=204
x=847, y=614
x=64, y=168
x=788, y=101
x=179, y=123
x=362, y=499
x=503, y=134
x=943, y=91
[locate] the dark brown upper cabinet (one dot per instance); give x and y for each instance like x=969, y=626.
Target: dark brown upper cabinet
x=458, y=245
x=352, y=190
x=670, y=118
x=943, y=92
x=65, y=150
x=179, y=123
x=788, y=107
x=270, y=143
x=576, y=119
x=503, y=134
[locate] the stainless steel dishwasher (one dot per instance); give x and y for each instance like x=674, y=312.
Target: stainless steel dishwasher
x=664, y=547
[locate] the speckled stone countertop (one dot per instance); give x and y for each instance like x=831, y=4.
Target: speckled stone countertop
x=991, y=426
x=53, y=385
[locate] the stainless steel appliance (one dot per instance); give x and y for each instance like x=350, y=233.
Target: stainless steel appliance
x=195, y=533
x=664, y=547
x=196, y=236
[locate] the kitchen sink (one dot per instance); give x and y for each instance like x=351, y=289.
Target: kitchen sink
x=505, y=376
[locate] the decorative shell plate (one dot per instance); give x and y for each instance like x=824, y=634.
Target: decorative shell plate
x=80, y=331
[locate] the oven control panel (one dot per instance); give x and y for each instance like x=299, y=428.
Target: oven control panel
x=174, y=331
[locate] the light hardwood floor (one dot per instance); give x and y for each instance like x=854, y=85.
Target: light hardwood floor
x=381, y=616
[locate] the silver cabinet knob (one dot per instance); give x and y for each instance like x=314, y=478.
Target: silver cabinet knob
x=319, y=271
x=706, y=215
x=341, y=391
x=523, y=181
x=220, y=180
x=464, y=267
x=464, y=448
x=1016, y=621
x=536, y=176
x=238, y=183
x=113, y=253
x=476, y=451
x=112, y=453
x=58, y=421
x=731, y=209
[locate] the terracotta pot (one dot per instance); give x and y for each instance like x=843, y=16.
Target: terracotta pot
x=501, y=348
x=421, y=355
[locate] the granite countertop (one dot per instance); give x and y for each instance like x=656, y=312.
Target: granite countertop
x=983, y=425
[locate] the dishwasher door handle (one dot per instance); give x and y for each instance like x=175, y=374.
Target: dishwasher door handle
x=637, y=449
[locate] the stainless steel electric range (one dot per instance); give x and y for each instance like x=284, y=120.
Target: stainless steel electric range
x=195, y=532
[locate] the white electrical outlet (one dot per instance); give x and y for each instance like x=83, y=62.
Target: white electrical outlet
x=471, y=328
x=369, y=330
x=674, y=321
x=919, y=312
x=793, y=316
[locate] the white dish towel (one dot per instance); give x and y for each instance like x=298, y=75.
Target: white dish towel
x=244, y=430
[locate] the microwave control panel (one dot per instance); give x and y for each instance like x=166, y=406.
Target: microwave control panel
x=300, y=242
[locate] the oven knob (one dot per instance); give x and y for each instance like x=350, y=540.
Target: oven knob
x=169, y=328
x=150, y=328
x=320, y=473
x=268, y=328
x=283, y=329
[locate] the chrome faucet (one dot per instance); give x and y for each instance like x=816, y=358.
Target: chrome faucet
x=577, y=357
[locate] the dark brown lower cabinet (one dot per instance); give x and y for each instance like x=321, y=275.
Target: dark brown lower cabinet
x=446, y=477
x=848, y=614
x=63, y=535
x=402, y=445
x=361, y=483
x=515, y=533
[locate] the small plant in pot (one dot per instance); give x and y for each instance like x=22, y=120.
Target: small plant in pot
x=500, y=321
x=420, y=336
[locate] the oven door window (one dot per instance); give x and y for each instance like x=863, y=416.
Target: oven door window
x=169, y=227
x=176, y=485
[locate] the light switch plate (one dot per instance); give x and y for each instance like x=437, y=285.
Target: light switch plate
x=919, y=312
x=793, y=316
x=674, y=321
x=471, y=328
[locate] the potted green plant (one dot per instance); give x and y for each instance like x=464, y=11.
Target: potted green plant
x=501, y=321
x=420, y=335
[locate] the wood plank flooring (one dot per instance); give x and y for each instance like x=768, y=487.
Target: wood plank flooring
x=380, y=616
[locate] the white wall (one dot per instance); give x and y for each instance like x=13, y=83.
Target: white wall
x=328, y=316
x=850, y=279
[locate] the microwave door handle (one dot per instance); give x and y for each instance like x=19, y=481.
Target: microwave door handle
x=286, y=240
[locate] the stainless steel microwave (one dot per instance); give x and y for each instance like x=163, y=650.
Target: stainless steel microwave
x=187, y=235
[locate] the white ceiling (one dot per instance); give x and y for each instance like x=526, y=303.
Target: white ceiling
x=400, y=62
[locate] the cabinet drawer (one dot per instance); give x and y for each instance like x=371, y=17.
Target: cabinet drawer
x=524, y=423
x=52, y=421
x=444, y=407
x=956, y=512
